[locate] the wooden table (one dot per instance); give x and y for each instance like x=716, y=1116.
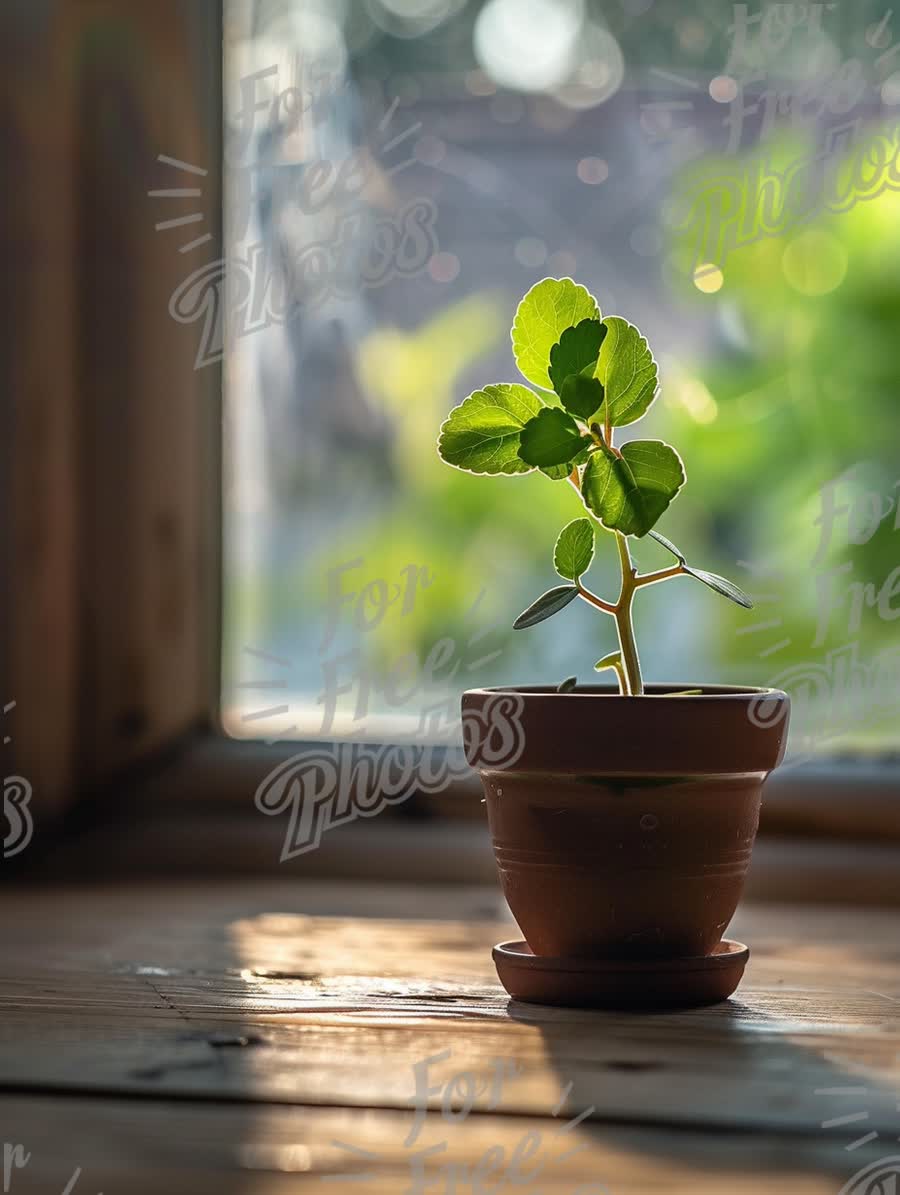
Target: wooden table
x=269, y=1037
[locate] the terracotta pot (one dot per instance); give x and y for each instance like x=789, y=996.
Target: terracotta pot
x=623, y=826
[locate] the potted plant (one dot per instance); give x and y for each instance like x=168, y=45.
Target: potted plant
x=623, y=829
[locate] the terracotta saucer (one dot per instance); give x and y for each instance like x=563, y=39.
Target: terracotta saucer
x=620, y=983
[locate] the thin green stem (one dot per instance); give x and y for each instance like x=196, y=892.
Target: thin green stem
x=594, y=600
x=621, y=678
x=631, y=682
x=677, y=570
x=634, y=684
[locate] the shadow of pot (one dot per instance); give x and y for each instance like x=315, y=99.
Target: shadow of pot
x=623, y=827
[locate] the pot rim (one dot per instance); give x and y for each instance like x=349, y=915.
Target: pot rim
x=723, y=730
x=711, y=692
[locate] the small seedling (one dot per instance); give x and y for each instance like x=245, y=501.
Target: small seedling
x=591, y=375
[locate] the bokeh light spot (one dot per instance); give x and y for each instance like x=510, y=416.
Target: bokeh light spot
x=593, y=171
x=443, y=267
x=696, y=399
x=693, y=35
x=723, y=89
x=530, y=252
x=528, y=45
x=890, y=90
x=814, y=263
x=598, y=71
x=708, y=278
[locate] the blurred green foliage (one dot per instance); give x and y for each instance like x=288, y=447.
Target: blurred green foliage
x=805, y=378
x=797, y=384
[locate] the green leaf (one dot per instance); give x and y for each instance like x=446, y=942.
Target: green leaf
x=550, y=438
x=482, y=434
x=721, y=585
x=577, y=350
x=549, y=308
x=561, y=472
x=548, y=397
x=612, y=660
x=574, y=549
x=548, y=603
x=582, y=395
x=627, y=370
x=567, y=685
x=667, y=543
x=629, y=493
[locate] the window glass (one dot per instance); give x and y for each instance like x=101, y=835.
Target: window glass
x=399, y=173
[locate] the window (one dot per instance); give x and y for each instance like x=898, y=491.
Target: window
x=398, y=173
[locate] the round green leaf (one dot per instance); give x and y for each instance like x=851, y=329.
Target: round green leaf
x=582, y=396
x=627, y=370
x=551, y=438
x=561, y=472
x=548, y=603
x=546, y=311
x=577, y=350
x=629, y=493
x=482, y=434
x=574, y=549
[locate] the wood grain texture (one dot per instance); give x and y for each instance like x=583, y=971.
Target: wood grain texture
x=108, y=436
x=212, y=1037
x=38, y=351
x=148, y=86
x=142, y=1148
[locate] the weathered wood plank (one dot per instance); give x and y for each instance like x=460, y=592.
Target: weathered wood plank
x=207, y=993
x=38, y=423
x=108, y=458
x=141, y=1148
x=146, y=417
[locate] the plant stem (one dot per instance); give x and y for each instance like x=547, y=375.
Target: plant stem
x=664, y=574
x=620, y=675
x=631, y=682
x=594, y=600
x=634, y=684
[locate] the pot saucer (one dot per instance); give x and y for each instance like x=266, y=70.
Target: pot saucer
x=621, y=983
